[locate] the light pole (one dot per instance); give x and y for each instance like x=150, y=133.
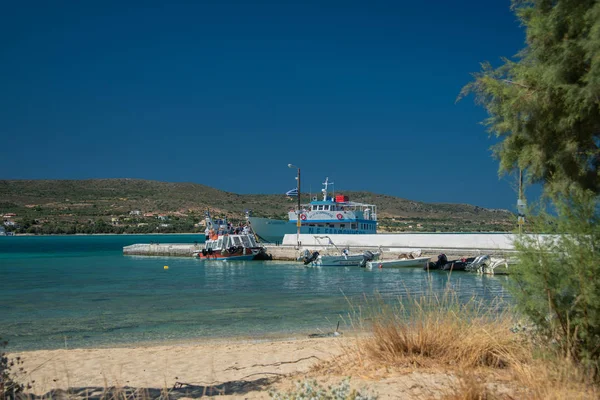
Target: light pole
x=298, y=223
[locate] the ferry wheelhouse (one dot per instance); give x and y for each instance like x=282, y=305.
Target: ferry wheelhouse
x=327, y=216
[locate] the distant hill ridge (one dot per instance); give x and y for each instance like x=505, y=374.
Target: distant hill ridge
x=106, y=197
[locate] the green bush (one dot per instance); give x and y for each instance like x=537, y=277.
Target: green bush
x=557, y=281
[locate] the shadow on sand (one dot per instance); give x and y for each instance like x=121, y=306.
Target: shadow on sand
x=180, y=390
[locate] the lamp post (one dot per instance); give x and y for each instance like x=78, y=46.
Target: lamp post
x=298, y=223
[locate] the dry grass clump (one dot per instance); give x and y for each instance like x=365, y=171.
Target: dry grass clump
x=442, y=330
x=471, y=341
x=471, y=388
x=554, y=378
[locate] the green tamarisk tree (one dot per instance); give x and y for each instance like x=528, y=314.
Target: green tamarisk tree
x=557, y=280
x=545, y=103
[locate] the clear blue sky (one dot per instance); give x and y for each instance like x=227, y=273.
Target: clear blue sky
x=227, y=93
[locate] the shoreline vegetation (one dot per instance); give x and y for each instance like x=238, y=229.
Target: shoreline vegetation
x=111, y=234
x=141, y=206
x=417, y=348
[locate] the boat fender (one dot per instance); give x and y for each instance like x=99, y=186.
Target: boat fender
x=210, y=252
x=232, y=249
x=204, y=252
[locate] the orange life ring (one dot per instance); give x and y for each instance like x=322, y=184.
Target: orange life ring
x=303, y=217
x=340, y=216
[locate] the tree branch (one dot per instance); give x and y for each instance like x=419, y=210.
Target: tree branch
x=518, y=84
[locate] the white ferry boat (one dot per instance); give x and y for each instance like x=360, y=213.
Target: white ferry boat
x=331, y=215
x=226, y=242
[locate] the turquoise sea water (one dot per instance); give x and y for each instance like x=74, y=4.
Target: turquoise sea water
x=80, y=291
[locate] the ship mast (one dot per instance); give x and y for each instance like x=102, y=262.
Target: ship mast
x=326, y=184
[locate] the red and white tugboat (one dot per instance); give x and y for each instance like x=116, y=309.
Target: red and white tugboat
x=225, y=242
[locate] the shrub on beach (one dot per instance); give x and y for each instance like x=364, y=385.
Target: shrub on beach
x=310, y=389
x=556, y=283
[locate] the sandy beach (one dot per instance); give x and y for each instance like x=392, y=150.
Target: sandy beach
x=224, y=370
x=162, y=366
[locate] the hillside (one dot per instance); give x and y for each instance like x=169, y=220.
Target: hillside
x=133, y=205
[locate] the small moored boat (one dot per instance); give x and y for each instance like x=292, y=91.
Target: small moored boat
x=337, y=257
x=399, y=263
x=345, y=259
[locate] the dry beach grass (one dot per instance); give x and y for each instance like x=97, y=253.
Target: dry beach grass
x=449, y=350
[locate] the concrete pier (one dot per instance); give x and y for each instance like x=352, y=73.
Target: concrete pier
x=288, y=253
x=163, y=249
x=485, y=243
x=454, y=245
x=291, y=253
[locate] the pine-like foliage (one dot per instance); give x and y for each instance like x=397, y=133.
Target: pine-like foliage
x=545, y=104
x=557, y=280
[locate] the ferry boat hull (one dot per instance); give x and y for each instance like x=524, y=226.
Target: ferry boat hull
x=273, y=230
x=235, y=255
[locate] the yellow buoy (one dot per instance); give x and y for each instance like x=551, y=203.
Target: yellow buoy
x=166, y=267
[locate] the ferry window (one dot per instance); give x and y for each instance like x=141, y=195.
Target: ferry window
x=353, y=226
x=321, y=225
x=320, y=207
x=246, y=241
x=252, y=242
x=331, y=226
x=314, y=208
x=342, y=226
x=220, y=244
x=326, y=208
x=311, y=224
x=237, y=241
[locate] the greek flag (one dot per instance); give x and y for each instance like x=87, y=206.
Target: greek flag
x=293, y=192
